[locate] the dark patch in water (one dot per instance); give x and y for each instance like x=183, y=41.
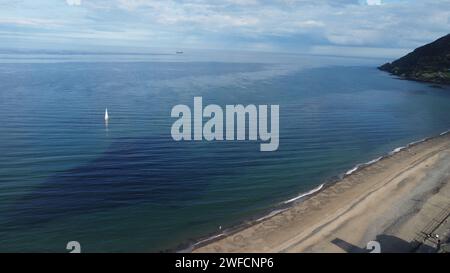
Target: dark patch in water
x=130, y=172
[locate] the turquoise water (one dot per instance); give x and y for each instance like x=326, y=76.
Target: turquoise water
x=128, y=186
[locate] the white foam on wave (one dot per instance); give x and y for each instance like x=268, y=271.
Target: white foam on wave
x=417, y=142
x=374, y=160
x=273, y=213
x=357, y=167
x=396, y=150
x=304, y=194
x=349, y=172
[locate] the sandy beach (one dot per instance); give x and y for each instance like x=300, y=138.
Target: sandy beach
x=398, y=201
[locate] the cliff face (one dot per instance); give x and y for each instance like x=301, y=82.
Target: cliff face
x=429, y=63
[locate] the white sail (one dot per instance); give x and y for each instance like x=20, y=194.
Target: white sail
x=106, y=114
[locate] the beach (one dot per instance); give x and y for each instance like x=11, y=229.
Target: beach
x=401, y=201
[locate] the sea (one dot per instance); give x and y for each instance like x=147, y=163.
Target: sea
x=127, y=186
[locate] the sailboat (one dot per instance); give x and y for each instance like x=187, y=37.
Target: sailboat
x=106, y=115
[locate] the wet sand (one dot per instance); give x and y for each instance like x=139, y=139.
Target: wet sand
x=395, y=201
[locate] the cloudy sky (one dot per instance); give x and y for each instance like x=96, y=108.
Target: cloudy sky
x=316, y=26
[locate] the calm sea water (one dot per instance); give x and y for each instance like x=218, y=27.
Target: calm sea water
x=65, y=175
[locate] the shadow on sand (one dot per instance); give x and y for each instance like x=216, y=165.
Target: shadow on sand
x=388, y=243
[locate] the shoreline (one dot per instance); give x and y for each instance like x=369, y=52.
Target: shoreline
x=213, y=242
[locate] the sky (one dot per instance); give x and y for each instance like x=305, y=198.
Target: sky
x=346, y=27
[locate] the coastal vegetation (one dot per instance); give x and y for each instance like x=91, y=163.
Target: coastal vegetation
x=429, y=63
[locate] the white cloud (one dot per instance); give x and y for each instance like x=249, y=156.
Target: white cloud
x=279, y=24
x=373, y=2
x=31, y=22
x=73, y=2
x=340, y=22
